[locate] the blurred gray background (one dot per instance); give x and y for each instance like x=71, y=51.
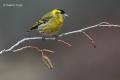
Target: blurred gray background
x=79, y=62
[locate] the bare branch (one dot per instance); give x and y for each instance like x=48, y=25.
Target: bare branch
x=34, y=47
x=21, y=41
x=102, y=24
x=66, y=43
x=93, y=42
x=47, y=61
x=46, y=50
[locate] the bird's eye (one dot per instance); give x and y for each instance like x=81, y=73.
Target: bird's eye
x=62, y=11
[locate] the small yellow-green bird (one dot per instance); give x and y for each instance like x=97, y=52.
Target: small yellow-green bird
x=51, y=23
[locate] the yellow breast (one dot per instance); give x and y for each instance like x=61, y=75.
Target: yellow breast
x=54, y=26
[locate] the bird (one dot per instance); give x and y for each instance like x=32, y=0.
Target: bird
x=50, y=25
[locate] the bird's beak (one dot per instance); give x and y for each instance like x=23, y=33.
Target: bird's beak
x=66, y=15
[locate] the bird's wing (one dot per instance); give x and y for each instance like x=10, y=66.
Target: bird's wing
x=43, y=20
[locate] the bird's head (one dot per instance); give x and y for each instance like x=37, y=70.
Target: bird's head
x=56, y=12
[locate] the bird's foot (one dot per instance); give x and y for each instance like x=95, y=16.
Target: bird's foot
x=43, y=38
x=56, y=37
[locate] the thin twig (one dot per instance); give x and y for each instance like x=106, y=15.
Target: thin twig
x=46, y=50
x=34, y=47
x=66, y=43
x=102, y=24
x=93, y=42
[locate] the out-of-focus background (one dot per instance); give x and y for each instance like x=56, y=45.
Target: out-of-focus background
x=79, y=62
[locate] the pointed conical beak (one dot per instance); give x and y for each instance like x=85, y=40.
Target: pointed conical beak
x=66, y=15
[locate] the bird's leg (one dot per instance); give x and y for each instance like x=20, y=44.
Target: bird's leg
x=56, y=37
x=43, y=37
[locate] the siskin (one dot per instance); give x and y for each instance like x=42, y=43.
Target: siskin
x=51, y=23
